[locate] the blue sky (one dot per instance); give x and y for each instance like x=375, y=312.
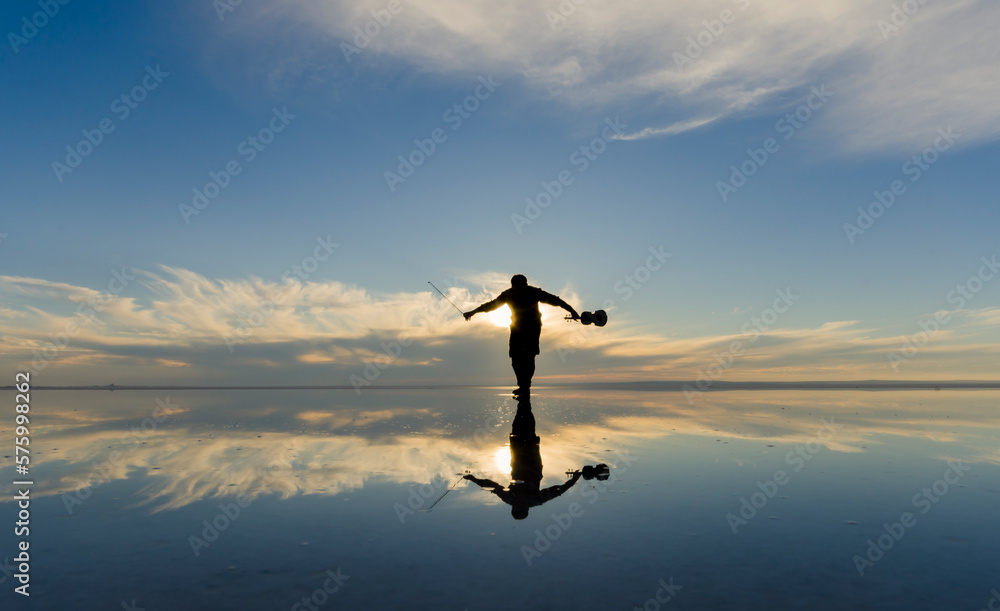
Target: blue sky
x=653, y=185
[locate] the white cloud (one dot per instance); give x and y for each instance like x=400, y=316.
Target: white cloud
x=342, y=446
x=182, y=327
x=895, y=86
x=670, y=130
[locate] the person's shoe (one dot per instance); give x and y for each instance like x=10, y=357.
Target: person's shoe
x=521, y=391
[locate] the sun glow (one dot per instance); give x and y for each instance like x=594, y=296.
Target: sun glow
x=501, y=460
x=500, y=317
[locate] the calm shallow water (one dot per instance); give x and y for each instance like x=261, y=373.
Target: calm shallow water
x=330, y=481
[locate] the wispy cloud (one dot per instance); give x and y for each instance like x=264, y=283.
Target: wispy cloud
x=344, y=446
x=670, y=130
x=182, y=327
x=895, y=85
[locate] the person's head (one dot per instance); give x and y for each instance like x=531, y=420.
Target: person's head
x=518, y=281
x=519, y=511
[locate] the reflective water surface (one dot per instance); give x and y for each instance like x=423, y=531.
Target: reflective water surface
x=464, y=499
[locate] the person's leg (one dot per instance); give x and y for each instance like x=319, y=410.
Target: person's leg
x=523, y=348
x=524, y=367
x=523, y=426
x=530, y=350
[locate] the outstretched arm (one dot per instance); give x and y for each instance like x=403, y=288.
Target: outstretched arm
x=552, y=492
x=483, y=483
x=551, y=299
x=489, y=306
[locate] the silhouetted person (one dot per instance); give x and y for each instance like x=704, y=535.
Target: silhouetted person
x=524, y=491
x=525, y=325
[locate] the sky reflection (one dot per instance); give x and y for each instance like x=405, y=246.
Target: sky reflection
x=191, y=446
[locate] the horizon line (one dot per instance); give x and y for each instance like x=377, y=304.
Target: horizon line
x=660, y=385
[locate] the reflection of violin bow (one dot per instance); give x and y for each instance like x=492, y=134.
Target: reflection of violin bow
x=442, y=496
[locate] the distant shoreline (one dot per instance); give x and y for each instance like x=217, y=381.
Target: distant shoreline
x=629, y=386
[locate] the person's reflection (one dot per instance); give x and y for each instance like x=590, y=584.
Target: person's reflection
x=524, y=491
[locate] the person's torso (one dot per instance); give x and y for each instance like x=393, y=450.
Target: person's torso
x=523, y=305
